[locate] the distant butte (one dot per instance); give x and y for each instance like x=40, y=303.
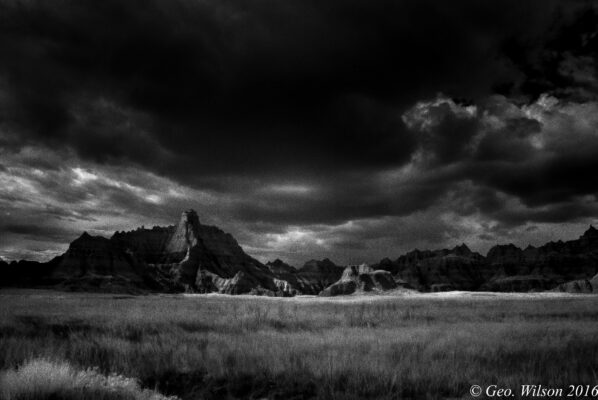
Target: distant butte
x=198, y=258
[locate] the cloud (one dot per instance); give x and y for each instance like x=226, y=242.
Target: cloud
x=520, y=163
x=231, y=88
x=305, y=128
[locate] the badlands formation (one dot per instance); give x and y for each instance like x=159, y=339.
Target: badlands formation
x=197, y=258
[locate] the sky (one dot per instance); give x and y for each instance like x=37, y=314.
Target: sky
x=348, y=129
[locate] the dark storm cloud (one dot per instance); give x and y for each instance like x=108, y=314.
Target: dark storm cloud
x=338, y=197
x=545, y=181
x=309, y=127
x=231, y=86
x=49, y=232
x=564, y=62
x=540, y=155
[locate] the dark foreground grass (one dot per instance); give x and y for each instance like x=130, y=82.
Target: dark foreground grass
x=226, y=347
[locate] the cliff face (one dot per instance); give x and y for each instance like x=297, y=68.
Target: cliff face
x=360, y=279
x=94, y=255
x=189, y=256
x=205, y=259
x=148, y=245
x=200, y=258
x=94, y=263
x=579, y=286
x=313, y=277
x=544, y=267
x=280, y=267
x=505, y=268
x=440, y=270
x=508, y=257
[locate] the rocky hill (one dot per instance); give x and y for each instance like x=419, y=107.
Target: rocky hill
x=440, y=270
x=316, y=275
x=579, y=286
x=505, y=268
x=280, y=267
x=205, y=259
x=313, y=277
x=96, y=255
x=186, y=257
x=360, y=279
x=193, y=257
x=97, y=263
x=147, y=244
x=544, y=267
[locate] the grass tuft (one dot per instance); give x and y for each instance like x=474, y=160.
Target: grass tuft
x=44, y=379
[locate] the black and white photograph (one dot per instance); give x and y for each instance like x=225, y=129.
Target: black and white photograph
x=298, y=199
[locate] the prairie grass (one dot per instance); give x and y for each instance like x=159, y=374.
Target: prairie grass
x=44, y=379
x=240, y=347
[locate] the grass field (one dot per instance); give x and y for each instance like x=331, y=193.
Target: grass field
x=216, y=347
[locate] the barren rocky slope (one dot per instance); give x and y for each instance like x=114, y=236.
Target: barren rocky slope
x=579, y=286
x=544, y=267
x=506, y=268
x=199, y=258
x=440, y=270
x=188, y=257
x=361, y=278
x=205, y=259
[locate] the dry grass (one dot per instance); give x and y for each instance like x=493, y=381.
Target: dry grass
x=219, y=347
x=45, y=379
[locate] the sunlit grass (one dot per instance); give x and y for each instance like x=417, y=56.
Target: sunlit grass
x=218, y=347
x=45, y=379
